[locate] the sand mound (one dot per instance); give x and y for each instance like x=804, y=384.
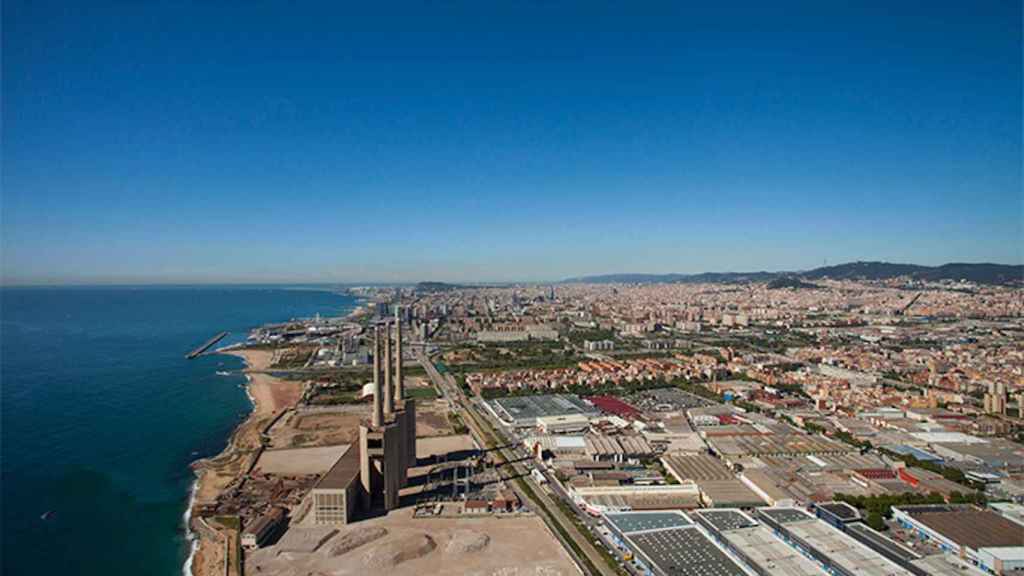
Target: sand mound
x=352, y=540
x=466, y=541
x=392, y=553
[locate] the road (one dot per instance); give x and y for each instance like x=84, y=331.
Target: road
x=543, y=504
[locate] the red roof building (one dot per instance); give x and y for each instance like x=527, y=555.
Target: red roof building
x=614, y=406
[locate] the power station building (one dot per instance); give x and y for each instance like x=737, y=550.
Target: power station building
x=387, y=441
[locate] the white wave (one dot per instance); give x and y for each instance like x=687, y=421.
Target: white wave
x=193, y=541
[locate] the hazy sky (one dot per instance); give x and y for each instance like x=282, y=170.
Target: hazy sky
x=272, y=141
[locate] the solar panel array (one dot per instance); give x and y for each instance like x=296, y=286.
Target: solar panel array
x=684, y=552
x=628, y=522
x=724, y=520
x=786, y=515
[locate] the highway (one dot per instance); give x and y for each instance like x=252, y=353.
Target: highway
x=541, y=502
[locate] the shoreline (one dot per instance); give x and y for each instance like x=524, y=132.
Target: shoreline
x=268, y=395
x=190, y=535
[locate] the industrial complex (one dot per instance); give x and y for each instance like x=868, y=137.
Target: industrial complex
x=639, y=460
x=372, y=475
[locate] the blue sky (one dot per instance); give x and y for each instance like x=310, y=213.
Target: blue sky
x=272, y=141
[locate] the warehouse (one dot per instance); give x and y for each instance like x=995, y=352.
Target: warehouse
x=961, y=529
x=563, y=424
x=838, y=552
x=696, y=467
x=617, y=448
x=728, y=494
x=768, y=487
x=598, y=500
x=336, y=495
x=623, y=523
x=755, y=544
x=264, y=528
x=776, y=445
x=1001, y=560
x=682, y=552
x=523, y=411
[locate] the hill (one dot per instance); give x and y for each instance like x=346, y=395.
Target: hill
x=431, y=287
x=790, y=282
x=704, y=277
x=981, y=273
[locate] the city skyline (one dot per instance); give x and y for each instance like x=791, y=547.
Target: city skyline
x=181, y=144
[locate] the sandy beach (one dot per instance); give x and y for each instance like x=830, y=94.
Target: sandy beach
x=269, y=395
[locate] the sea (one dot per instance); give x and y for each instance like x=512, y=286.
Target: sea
x=101, y=415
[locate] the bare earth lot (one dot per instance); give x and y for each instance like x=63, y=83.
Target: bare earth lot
x=336, y=426
x=400, y=545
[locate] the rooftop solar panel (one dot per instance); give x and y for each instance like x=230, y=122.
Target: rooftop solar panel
x=684, y=552
x=628, y=522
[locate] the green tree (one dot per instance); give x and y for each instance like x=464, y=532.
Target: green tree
x=876, y=521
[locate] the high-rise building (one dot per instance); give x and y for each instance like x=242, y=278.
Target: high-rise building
x=995, y=399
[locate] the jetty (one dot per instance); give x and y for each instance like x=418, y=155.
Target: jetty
x=206, y=345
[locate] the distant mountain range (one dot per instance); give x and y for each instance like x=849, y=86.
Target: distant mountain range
x=978, y=273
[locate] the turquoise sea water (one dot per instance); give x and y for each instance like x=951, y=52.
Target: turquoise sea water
x=101, y=416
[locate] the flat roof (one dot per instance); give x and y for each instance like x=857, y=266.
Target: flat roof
x=786, y=515
x=969, y=527
x=526, y=408
x=697, y=467
x=629, y=522
x=645, y=501
x=912, y=451
x=767, y=552
x=878, y=541
x=840, y=510
x=729, y=493
x=947, y=565
x=683, y=552
x=948, y=438
x=843, y=550
x=724, y=520
x=795, y=443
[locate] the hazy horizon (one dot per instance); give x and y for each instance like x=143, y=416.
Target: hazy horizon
x=186, y=143
x=300, y=282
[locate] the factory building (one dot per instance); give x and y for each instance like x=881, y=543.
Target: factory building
x=982, y=537
x=372, y=475
x=338, y=493
x=387, y=441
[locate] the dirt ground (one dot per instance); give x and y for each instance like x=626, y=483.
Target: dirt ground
x=318, y=428
x=432, y=418
x=399, y=545
x=209, y=558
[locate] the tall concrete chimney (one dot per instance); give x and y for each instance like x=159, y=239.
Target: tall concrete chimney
x=389, y=396
x=399, y=384
x=377, y=416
